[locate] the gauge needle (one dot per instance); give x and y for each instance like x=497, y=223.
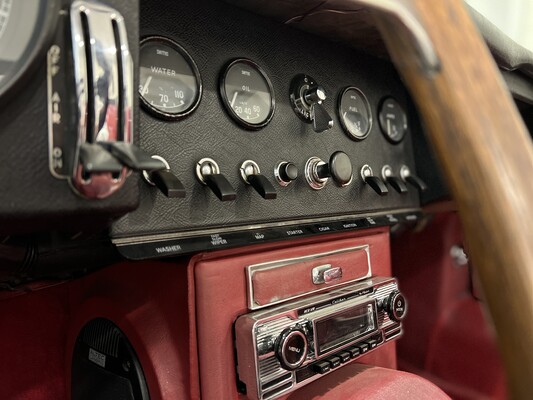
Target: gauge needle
x=234, y=98
x=145, y=88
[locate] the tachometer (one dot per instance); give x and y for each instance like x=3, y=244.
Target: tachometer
x=26, y=28
x=354, y=113
x=247, y=93
x=170, y=85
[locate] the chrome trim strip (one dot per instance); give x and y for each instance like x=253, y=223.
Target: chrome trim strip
x=220, y=230
x=128, y=111
x=80, y=74
x=105, y=73
x=252, y=269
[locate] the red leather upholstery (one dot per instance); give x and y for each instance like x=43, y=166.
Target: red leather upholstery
x=358, y=382
x=219, y=283
x=277, y=284
x=447, y=337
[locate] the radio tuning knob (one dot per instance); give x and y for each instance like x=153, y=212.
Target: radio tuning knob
x=396, y=306
x=291, y=348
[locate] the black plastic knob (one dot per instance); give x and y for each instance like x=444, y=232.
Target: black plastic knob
x=262, y=186
x=416, y=182
x=96, y=159
x=132, y=156
x=291, y=348
x=397, y=184
x=339, y=169
x=396, y=306
x=168, y=183
x=377, y=184
x=220, y=187
x=287, y=172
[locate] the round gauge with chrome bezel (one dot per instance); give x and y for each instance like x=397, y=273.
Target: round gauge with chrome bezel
x=392, y=120
x=170, y=85
x=354, y=113
x=247, y=93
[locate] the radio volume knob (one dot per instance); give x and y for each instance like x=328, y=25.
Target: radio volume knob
x=396, y=306
x=291, y=348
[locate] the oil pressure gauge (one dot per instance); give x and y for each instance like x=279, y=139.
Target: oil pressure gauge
x=354, y=113
x=170, y=85
x=247, y=94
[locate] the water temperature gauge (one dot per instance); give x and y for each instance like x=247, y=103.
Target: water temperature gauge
x=247, y=93
x=170, y=85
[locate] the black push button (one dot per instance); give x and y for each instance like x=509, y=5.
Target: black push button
x=321, y=367
x=372, y=343
x=363, y=347
x=354, y=351
x=344, y=356
x=334, y=361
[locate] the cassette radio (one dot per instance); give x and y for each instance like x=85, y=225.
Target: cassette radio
x=283, y=348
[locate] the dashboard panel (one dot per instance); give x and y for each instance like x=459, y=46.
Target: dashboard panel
x=219, y=37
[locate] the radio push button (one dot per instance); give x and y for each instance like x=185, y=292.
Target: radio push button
x=321, y=367
x=291, y=348
x=334, y=361
x=363, y=347
x=344, y=356
x=354, y=351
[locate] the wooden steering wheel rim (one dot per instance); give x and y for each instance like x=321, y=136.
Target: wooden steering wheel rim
x=486, y=154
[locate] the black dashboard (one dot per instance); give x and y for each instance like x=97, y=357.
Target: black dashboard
x=208, y=126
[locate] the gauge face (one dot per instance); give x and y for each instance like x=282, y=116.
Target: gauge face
x=247, y=94
x=392, y=120
x=25, y=30
x=170, y=85
x=354, y=113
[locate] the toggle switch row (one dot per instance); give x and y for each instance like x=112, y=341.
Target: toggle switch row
x=317, y=173
x=208, y=174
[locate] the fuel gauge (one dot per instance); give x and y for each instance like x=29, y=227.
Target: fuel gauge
x=170, y=85
x=247, y=93
x=354, y=113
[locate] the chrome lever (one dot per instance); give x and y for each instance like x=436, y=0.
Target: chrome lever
x=103, y=75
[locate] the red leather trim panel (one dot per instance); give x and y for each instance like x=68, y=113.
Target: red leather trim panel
x=220, y=296
x=356, y=381
x=447, y=338
x=276, y=284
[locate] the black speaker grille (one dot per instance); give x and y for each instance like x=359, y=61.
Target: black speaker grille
x=103, y=336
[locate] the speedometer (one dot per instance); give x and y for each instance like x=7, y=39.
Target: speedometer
x=247, y=93
x=26, y=29
x=170, y=85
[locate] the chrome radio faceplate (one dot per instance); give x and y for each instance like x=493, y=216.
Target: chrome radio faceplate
x=285, y=347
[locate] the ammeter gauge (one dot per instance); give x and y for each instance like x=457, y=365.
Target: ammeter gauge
x=170, y=85
x=247, y=93
x=392, y=120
